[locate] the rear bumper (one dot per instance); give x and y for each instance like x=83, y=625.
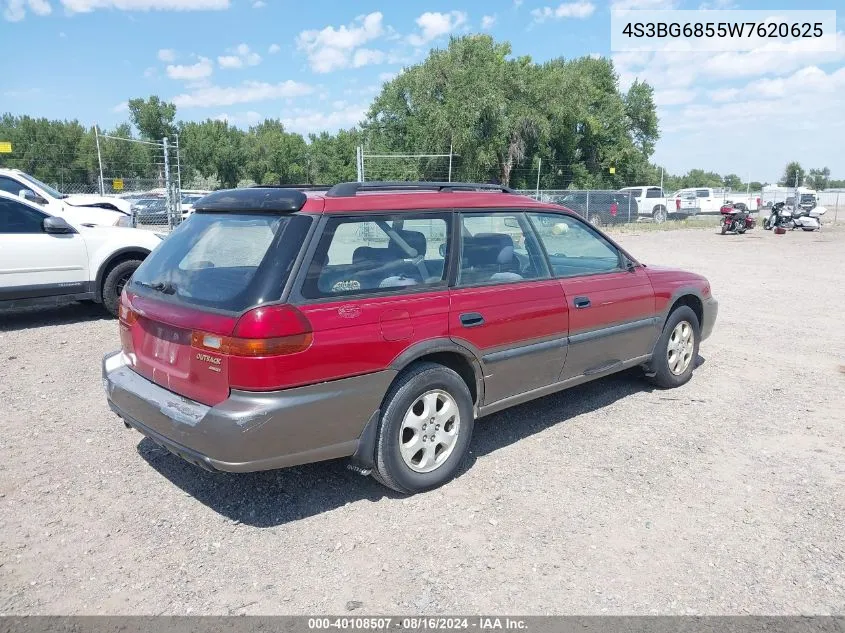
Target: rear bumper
x=250, y=430
x=710, y=309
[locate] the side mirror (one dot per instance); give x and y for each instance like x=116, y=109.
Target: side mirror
x=57, y=226
x=31, y=196
x=442, y=249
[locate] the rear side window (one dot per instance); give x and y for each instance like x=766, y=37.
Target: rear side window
x=653, y=193
x=378, y=254
x=226, y=261
x=702, y=193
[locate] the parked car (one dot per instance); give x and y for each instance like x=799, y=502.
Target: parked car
x=188, y=201
x=44, y=259
x=602, y=208
x=706, y=200
x=78, y=209
x=651, y=201
x=377, y=321
x=150, y=211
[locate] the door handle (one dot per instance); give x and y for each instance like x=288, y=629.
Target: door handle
x=471, y=319
x=582, y=302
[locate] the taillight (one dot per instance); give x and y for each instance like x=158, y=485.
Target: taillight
x=267, y=331
x=127, y=317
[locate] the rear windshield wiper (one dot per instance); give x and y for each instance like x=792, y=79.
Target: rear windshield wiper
x=164, y=287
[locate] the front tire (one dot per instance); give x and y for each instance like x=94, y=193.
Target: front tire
x=114, y=282
x=425, y=429
x=676, y=350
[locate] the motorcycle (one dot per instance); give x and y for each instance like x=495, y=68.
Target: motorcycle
x=792, y=218
x=735, y=218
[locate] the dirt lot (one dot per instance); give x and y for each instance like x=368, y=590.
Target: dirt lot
x=724, y=496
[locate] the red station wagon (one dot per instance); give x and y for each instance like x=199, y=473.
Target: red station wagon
x=377, y=321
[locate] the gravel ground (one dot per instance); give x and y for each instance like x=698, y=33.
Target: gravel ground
x=721, y=497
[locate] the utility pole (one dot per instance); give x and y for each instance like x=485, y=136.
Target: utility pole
x=99, y=160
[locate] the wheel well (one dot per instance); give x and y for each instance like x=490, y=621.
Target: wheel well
x=457, y=363
x=116, y=259
x=693, y=302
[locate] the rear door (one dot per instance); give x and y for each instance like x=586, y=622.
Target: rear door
x=374, y=285
x=611, y=306
x=34, y=263
x=505, y=306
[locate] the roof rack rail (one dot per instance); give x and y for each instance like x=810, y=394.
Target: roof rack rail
x=303, y=187
x=351, y=189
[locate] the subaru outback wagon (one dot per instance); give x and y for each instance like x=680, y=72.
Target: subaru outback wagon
x=378, y=321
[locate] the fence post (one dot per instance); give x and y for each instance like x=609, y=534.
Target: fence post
x=358, y=162
x=167, y=194
x=450, y=162
x=587, y=217
x=178, y=189
x=99, y=161
x=629, y=208
x=539, y=167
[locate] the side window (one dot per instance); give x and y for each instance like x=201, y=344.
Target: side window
x=702, y=193
x=653, y=193
x=498, y=248
x=573, y=248
x=18, y=218
x=11, y=186
x=379, y=253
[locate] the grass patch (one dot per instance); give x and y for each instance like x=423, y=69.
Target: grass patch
x=710, y=222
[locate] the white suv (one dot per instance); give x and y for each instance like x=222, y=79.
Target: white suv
x=44, y=259
x=79, y=209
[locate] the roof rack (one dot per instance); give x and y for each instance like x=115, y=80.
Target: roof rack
x=253, y=199
x=351, y=189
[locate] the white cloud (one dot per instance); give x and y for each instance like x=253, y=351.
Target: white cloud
x=244, y=118
x=517, y=3
x=240, y=57
x=335, y=48
x=193, y=72
x=620, y=5
x=274, y=48
x=579, y=10
x=434, y=24
x=384, y=77
x=488, y=21
x=86, y=6
x=673, y=96
x=367, y=56
x=259, y=4
x=167, y=55
x=305, y=121
x=121, y=107
x=247, y=92
x=15, y=10
x=722, y=95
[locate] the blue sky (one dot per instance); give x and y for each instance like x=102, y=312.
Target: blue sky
x=317, y=64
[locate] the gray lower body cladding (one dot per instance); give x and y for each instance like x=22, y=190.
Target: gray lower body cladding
x=249, y=431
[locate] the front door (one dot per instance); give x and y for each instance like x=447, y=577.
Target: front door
x=34, y=263
x=506, y=307
x=611, y=304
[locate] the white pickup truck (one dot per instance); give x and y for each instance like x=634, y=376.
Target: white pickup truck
x=651, y=202
x=705, y=200
x=47, y=260
x=80, y=209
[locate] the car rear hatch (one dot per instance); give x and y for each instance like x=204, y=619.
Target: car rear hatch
x=209, y=294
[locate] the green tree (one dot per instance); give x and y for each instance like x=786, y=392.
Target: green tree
x=733, y=182
x=153, y=118
x=214, y=149
x=331, y=158
x=818, y=178
x=793, y=175
x=275, y=156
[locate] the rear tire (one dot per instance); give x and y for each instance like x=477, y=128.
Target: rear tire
x=427, y=401
x=116, y=279
x=596, y=219
x=674, y=358
x=658, y=215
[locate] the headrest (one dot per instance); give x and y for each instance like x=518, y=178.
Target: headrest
x=488, y=248
x=415, y=240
